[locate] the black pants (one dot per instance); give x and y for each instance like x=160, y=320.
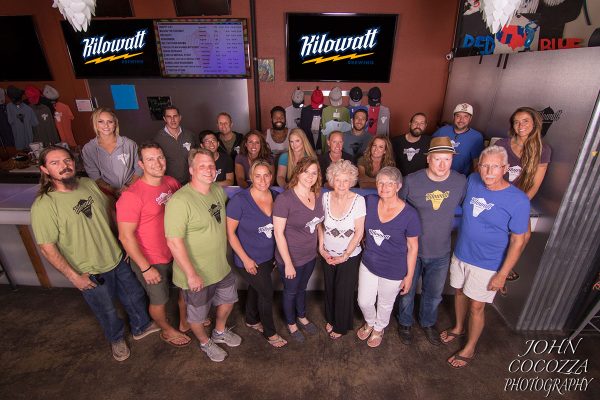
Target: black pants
x=259, y=302
x=340, y=283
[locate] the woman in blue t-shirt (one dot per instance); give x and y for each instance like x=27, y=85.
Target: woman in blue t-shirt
x=392, y=228
x=250, y=234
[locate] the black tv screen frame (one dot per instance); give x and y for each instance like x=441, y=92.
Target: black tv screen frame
x=339, y=47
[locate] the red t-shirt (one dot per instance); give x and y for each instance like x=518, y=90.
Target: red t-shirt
x=63, y=117
x=145, y=205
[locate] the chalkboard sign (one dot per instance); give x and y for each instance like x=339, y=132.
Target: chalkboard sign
x=156, y=104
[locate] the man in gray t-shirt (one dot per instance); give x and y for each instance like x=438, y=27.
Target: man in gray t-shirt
x=435, y=192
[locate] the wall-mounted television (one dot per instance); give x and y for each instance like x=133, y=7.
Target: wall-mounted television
x=113, y=48
x=22, y=56
x=340, y=47
x=203, y=48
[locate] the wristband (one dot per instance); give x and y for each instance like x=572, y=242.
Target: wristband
x=146, y=270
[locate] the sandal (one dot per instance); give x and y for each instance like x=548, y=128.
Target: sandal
x=309, y=328
x=364, y=331
x=334, y=335
x=297, y=335
x=450, y=336
x=458, y=357
x=175, y=340
x=257, y=327
x=278, y=342
x=375, y=338
x=512, y=276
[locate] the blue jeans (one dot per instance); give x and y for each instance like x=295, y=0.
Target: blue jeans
x=294, y=291
x=119, y=282
x=434, y=272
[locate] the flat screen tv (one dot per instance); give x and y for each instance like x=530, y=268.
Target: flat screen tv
x=113, y=48
x=22, y=56
x=203, y=48
x=340, y=47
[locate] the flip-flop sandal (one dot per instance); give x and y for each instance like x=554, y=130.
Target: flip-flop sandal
x=450, y=334
x=257, y=327
x=309, y=328
x=297, y=336
x=503, y=292
x=458, y=357
x=276, y=341
x=334, y=335
x=172, y=340
x=512, y=276
x=375, y=339
x=364, y=331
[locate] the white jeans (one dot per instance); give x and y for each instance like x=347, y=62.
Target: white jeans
x=372, y=287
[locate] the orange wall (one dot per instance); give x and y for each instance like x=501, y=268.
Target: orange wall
x=419, y=70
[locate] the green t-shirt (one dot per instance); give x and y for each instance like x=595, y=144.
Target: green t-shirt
x=78, y=223
x=200, y=220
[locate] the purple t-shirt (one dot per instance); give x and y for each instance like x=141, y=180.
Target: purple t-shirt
x=255, y=228
x=300, y=228
x=385, y=243
x=514, y=162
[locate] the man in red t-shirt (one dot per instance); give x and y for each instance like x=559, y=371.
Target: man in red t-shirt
x=140, y=216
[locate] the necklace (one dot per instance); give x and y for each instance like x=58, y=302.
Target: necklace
x=303, y=195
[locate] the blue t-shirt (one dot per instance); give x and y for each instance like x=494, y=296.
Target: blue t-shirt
x=283, y=159
x=468, y=145
x=255, y=228
x=385, y=243
x=488, y=219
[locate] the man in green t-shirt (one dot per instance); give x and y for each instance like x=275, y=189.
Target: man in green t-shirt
x=195, y=227
x=70, y=220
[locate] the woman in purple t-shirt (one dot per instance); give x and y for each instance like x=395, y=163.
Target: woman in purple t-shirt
x=296, y=214
x=250, y=234
x=392, y=230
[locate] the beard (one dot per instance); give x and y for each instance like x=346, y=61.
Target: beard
x=416, y=132
x=278, y=126
x=69, y=182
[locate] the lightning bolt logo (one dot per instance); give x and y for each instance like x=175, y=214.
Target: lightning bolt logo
x=113, y=58
x=320, y=60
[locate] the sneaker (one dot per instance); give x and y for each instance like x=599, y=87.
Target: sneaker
x=228, y=337
x=405, y=334
x=214, y=352
x=152, y=328
x=432, y=335
x=120, y=350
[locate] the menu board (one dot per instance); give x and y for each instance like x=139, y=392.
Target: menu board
x=203, y=48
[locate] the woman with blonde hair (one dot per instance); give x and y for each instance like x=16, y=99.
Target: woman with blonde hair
x=378, y=155
x=299, y=147
x=110, y=159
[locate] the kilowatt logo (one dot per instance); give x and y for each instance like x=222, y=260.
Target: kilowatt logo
x=320, y=45
x=109, y=50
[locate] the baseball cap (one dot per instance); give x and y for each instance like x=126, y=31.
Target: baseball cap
x=464, y=107
x=441, y=144
x=14, y=93
x=355, y=95
x=335, y=97
x=50, y=93
x=297, y=98
x=33, y=94
x=316, y=98
x=374, y=96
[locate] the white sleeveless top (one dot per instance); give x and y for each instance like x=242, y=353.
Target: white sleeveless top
x=276, y=148
x=340, y=231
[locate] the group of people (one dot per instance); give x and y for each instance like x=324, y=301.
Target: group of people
x=174, y=217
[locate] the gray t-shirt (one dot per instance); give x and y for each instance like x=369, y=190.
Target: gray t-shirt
x=356, y=145
x=116, y=168
x=300, y=228
x=176, y=152
x=436, y=204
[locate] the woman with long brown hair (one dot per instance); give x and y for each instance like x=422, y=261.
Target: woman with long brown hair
x=253, y=147
x=378, y=155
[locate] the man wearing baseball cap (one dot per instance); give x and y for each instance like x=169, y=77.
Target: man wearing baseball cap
x=467, y=141
x=435, y=192
x=495, y=218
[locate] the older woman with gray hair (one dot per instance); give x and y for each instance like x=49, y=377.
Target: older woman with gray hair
x=392, y=228
x=339, y=245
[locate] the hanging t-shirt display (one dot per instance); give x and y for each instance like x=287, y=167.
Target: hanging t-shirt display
x=22, y=119
x=310, y=123
x=292, y=116
x=62, y=118
x=45, y=131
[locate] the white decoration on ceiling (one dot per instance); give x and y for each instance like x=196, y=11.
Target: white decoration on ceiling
x=77, y=12
x=498, y=13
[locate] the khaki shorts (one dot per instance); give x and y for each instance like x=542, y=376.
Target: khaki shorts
x=158, y=294
x=199, y=303
x=472, y=280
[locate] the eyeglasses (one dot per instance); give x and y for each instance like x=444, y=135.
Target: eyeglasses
x=492, y=167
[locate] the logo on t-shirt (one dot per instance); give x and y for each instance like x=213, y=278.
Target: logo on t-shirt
x=267, y=230
x=513, y=173
x=164, y=197
x=215, y=211
x=45, y=116
x=455, y=144
x=479, y=205
x=58, y=116
x=437, y=198
x=217, y=174
x=410, y=153
x=187, y=146
x=378, y=236
x=124, y=158
x=85, y=207
x=312, y=224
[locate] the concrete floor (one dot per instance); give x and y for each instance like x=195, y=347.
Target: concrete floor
x=52, y=347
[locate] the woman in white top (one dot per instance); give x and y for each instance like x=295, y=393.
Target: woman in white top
x=339, y=245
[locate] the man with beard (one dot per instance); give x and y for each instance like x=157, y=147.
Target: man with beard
x=467, y=141
x=277, y=137
x=410, y=149
x=355, y=141
x=71, y=214
x=176, y=142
